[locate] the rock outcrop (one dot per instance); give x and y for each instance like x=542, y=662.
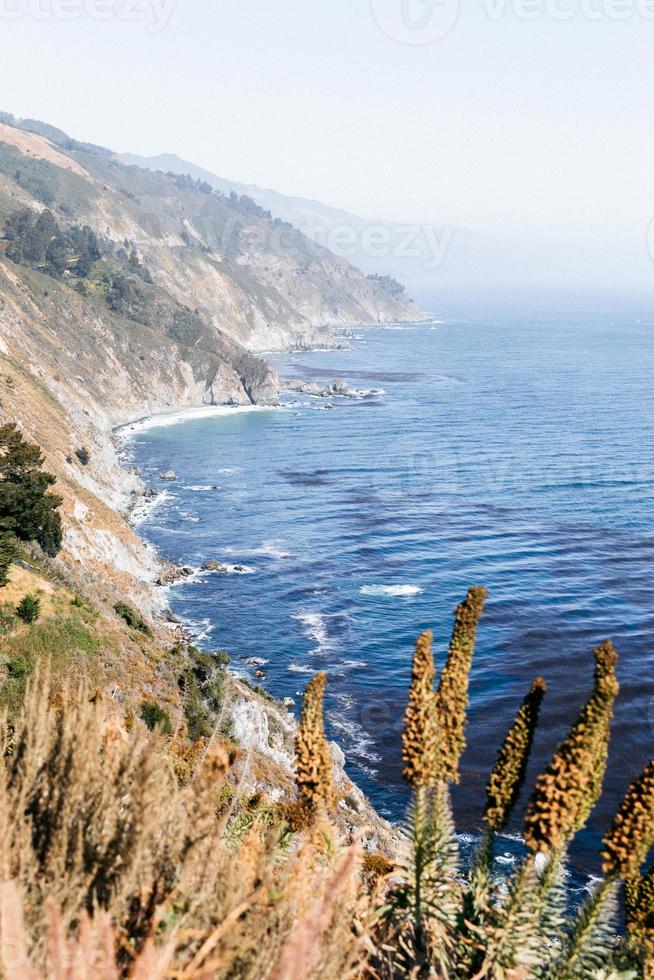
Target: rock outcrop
x=335, y=389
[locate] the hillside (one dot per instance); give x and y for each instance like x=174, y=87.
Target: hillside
x=253, y=277
x=422, y=255
x=125, y=292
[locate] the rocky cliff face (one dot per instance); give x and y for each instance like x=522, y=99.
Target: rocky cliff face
x=126, y=292
x=255, y=278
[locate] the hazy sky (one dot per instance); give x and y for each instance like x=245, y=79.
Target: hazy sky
x=530, y=120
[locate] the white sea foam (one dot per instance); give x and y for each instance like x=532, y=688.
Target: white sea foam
x=300, y=668
x=205, y=631
x=145, y=507
x=199, y=629
x=269, y=549
x=358, y=743
x=592, y=884
x=315, y=626
x=188, y=415
x=390, y=590
x=199, y=488
x=316, y=629
x=227, y=569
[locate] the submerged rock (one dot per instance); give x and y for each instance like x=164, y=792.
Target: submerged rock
x=169, y=476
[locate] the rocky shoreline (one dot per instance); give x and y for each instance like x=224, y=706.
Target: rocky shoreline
x=337, y=388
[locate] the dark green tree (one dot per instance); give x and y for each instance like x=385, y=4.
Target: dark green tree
x=29, y=608
x=8, y=554
x=26, y=507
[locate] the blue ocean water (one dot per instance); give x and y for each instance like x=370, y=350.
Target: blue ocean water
x=512, y=448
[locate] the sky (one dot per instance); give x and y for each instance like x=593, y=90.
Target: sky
x=530, y=121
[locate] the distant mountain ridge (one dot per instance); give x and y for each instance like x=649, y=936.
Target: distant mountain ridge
x=417, y=254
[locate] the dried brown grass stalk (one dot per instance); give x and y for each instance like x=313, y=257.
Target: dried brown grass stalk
x=304, y=946
x=95, y=830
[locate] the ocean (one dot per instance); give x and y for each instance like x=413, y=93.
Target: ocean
x=510, y=445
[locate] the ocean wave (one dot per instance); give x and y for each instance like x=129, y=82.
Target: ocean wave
x=359, y=745
x=145, y=507
x=188, y=414
x=267, y=549
x=300, y=668
x=199, y=629
x=316, y=628
x=390, y=590
x=189, y=516
x=200, y=487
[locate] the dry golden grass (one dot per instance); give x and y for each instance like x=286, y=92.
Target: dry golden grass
x=111, y=868
x=129, y=854
x=22, y=580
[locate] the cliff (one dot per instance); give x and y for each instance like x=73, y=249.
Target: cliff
x=130, y=292
x=125, y=293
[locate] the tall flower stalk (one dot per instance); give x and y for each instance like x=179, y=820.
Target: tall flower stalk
x=569, y=788
x=507, y=777
x=313, y=759
x=420, y=735
x=452, y=697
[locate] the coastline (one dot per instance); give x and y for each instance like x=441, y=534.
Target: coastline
x=162, y=573
x=191, y=413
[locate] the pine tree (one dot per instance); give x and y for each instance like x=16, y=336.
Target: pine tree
x=26, y=507
x=8, y=554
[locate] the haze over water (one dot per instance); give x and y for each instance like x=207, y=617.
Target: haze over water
x=512, y=448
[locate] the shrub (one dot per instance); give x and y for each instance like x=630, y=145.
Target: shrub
x=29, y=608
x=7, y=616
x=155, y=716
x=19, y=668
x=133, y=619
x=197, y=714
x=83, y=455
